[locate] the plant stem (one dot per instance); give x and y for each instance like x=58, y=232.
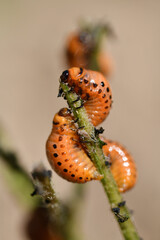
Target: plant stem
x=94, y=148
x=98, y=32
x=17, y=178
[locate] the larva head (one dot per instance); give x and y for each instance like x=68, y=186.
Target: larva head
x=64, y=76
x=72, y=73
x=63, y=116
x=64, y=112
x=76, y=73
x=62, y=119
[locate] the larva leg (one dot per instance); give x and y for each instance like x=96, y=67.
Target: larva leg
x=80, y=106
x=78, y=98
x=108, y=163
x=81, y=127
x=99, y=131
x=60, y=92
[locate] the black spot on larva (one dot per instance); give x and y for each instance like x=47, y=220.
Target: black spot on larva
x=81, y=71
x=106, y=101
x=60, y=138
x=80, y=177
x=64, y=124
x=108, y=164
x=104, y=96
x=72, y=175
x=95, y=85
x=66, y=160
x=110, y=96
x=85, y=81
x=76, y=145
x=62, y=146
x=87, y=178
x=100, y=90
x=55, y=155
x=102, y=84
x=71, y=166
x=87, y=96
x=54, y=146
x=65, y=170
x=107, y=89
x=80, y=80
x=80, y=91
x=63, y=153
x=106, y=107
x=55, y=123
x=59, y=163
x=62, y=129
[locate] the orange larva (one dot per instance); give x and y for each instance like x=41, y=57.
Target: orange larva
x=122, y=165
x=68, y=158
x=65, y=153
x=79, y=52
x=93, y=88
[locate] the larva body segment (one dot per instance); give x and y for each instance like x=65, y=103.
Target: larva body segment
x=65, y=153
x=122, y=165
x=94, y=89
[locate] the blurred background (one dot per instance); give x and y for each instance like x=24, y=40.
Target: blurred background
x=32, y=42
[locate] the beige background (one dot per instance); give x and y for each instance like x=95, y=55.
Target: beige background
x=32, y=38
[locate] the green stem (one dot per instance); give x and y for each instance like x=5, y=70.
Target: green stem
x=94, y=147
x=99, y=33
x=17, y=178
